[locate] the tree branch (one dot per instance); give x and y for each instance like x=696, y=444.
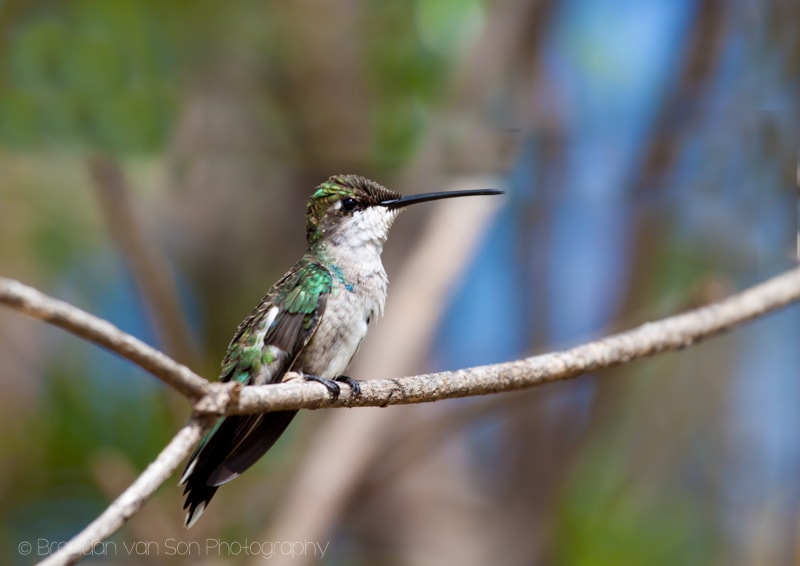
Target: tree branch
x=72, y=319
x=132, y=499
x=669, y=334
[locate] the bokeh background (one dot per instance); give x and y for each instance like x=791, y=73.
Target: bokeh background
x=155, y=158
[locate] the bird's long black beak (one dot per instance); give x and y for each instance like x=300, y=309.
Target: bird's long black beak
x=425, y=197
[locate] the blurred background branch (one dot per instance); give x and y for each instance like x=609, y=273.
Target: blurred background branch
x=149, y=269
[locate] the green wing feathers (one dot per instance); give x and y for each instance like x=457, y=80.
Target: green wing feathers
x=265, y=346
x=310, y=282
x=276, y=332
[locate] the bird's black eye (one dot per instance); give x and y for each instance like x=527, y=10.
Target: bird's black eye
x=349, y=204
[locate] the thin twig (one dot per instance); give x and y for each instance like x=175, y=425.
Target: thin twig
x=132, y=499
x=38, y=305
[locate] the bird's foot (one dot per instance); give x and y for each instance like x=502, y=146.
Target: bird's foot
x=330, y=385
x=355, y=387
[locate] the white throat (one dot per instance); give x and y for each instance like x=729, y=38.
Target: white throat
x=361, y=237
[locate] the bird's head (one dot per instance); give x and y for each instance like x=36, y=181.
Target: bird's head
x=353, y=211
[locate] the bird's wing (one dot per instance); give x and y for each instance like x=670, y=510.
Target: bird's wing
x=269, y=340
x=264, y=348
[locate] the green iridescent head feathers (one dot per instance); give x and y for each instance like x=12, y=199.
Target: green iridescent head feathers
x=322, y=210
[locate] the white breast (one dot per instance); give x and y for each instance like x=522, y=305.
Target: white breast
x=351, y=306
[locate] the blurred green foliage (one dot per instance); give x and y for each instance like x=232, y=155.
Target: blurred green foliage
x=89, y=73
x=108, y=75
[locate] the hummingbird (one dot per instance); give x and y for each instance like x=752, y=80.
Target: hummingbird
x=311, y=323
